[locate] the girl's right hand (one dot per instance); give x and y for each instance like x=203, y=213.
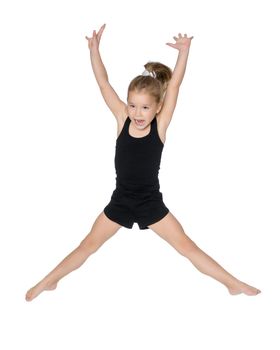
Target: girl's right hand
x=93, y=43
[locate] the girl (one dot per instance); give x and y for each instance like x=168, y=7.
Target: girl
x=141, y=132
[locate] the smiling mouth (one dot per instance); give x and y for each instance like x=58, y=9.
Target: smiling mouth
x=139, y=121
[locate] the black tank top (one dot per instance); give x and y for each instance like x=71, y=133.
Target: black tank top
x=137, y=159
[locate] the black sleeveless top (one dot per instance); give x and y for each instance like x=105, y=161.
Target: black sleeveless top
x=137, y=159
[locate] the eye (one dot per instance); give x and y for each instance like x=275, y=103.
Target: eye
x=146, y=107
x=131, y=106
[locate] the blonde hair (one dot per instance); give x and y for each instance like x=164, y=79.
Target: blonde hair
x=157, y=86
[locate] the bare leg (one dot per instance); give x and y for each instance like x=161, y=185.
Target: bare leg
x=102, y=229
x=171, y=230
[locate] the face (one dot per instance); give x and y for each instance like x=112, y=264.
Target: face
x=141, y=108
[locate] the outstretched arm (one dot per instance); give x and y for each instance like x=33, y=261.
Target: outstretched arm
x=98, y=67
x=182, y=45
x=111, y=98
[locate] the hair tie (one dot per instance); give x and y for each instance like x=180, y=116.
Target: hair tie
x=152, y=74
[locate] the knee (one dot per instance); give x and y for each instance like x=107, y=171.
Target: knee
x=186, y=248
x=89, y=246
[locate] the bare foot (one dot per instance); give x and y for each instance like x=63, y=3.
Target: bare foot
x=242, y=287
x=39, y=288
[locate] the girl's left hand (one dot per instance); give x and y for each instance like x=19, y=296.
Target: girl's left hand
x=182, y=43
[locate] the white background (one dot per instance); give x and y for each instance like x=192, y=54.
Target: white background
x=219, y=176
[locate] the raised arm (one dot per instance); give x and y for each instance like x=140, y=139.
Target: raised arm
x=182, y=45
x=111, y=98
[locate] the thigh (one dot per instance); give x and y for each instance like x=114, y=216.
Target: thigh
x=119, y=209
x=170, y=229
x=102, y=229
x=149, y=208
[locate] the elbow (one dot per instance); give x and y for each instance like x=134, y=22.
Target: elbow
x=174, y=83
x=103, y=83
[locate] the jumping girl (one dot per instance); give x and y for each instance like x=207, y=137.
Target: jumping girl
x=141, y=131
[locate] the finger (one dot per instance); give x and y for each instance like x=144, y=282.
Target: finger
x=175, y=38
x=185, y=35
x=100, y=32
x=180, y=36
x=170, y=44
x=101, y=29
x=89, y=41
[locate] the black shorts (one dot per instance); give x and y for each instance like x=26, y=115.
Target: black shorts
x=145, y=208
